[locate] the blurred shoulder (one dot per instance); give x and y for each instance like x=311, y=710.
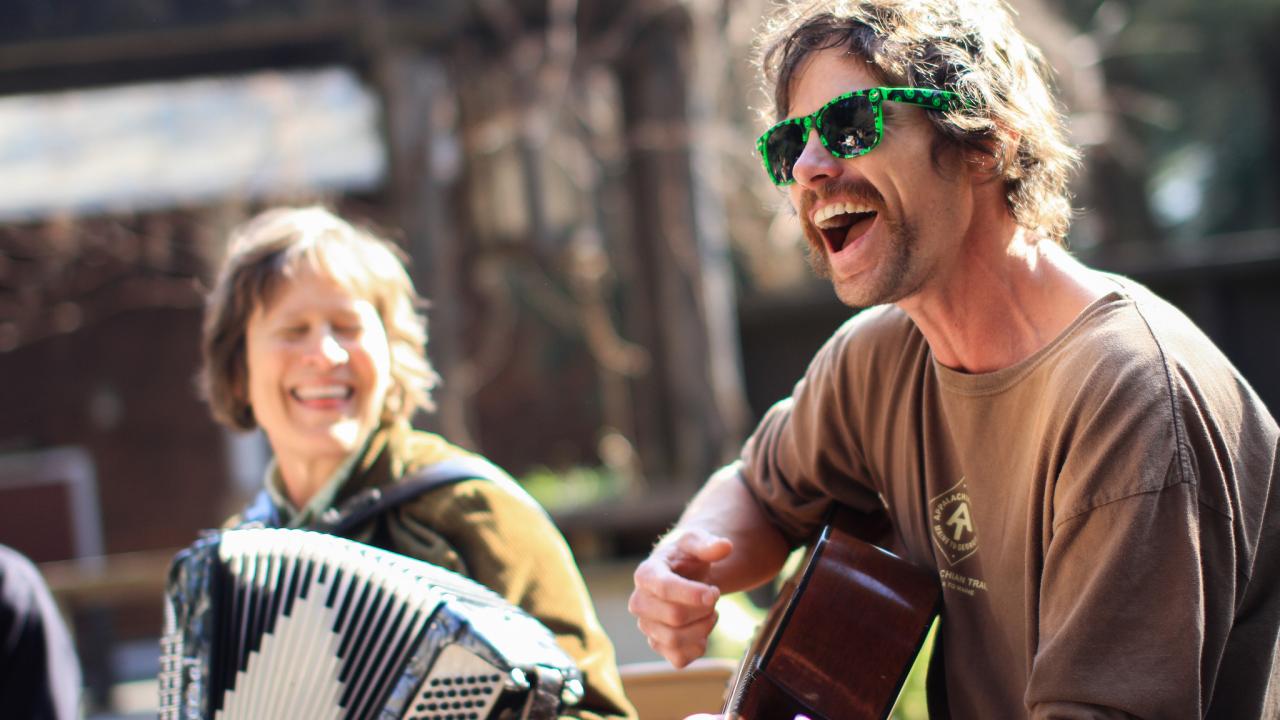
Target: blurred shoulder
x=484, y=487
x=16, y=566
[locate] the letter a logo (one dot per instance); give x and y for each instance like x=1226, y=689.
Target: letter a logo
x=961, y=522
x=951, y=516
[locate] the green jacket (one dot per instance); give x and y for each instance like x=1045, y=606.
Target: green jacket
x=497, y=535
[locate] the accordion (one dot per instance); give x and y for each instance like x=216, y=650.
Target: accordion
x=273, y=623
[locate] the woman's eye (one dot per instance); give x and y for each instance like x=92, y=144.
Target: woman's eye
x=294, y=331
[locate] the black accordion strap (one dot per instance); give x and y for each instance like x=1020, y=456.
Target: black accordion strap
x=368, y=504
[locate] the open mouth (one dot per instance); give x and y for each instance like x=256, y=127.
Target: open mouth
x=842, y=223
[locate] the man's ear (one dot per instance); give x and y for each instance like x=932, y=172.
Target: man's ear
x=995, y=156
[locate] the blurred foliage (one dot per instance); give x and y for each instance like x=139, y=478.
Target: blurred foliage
x=571, y=488
x=913, y=703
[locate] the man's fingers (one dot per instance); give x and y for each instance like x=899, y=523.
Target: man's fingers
x=679, y=645
x=691, y=634
x=679, y=655
x=706, y=547
x=655, y=576
x=669, y=642
x=675, y=571
x=647, y=606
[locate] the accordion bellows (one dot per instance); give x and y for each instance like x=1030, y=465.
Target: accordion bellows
x=274, y=623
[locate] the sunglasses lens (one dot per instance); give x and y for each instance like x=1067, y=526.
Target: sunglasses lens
x=849, y=126
x=782, y=148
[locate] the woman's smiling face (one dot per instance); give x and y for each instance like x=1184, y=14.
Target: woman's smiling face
x=319, y=368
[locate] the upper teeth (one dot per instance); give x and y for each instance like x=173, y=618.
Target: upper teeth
x=845, y=208
x=321, y=392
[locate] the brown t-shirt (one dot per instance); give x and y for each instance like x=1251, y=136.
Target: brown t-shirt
x=1102, y=516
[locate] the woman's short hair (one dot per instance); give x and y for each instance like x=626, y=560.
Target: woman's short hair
x=970, y=47
x=274, y=247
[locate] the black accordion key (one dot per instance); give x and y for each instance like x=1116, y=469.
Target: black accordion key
x=266, y=623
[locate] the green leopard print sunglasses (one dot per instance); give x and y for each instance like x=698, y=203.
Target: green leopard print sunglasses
x=850, y=125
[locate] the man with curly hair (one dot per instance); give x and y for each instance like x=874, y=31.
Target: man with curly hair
x=1092, y=482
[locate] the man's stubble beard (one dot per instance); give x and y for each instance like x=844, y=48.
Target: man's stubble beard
x=894, y=278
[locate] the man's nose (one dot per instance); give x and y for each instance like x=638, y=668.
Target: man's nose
x=816, y=164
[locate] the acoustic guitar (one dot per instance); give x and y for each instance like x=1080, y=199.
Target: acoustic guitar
x=843, y=634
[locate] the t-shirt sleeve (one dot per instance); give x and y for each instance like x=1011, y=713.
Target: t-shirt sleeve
x=1124, y=607
x=507, y=543
x=807, y=451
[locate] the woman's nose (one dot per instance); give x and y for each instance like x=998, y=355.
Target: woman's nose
x=816, y=164
x=328, y=348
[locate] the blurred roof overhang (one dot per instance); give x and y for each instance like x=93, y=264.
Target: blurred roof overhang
x=60, y=44
x=53, y=45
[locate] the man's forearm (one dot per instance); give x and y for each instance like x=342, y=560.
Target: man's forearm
x=726, y=508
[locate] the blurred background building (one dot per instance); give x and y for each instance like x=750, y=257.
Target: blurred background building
x=617, y=291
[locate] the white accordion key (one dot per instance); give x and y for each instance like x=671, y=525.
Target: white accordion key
x=272, y=623
x=279, y=678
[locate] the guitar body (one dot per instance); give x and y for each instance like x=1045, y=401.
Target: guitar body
x=843, y=634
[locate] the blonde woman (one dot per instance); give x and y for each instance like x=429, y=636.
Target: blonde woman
x=312, y=333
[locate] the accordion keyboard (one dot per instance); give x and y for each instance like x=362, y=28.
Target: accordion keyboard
x=270, y=623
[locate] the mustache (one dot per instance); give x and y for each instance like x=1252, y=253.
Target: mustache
x=856, y=190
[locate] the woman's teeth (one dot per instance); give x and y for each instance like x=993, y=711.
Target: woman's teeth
x=323, y=392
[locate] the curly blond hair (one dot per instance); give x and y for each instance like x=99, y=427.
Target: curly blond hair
x=268, y=250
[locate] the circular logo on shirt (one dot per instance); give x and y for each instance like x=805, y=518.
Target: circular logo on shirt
x=951, y=517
